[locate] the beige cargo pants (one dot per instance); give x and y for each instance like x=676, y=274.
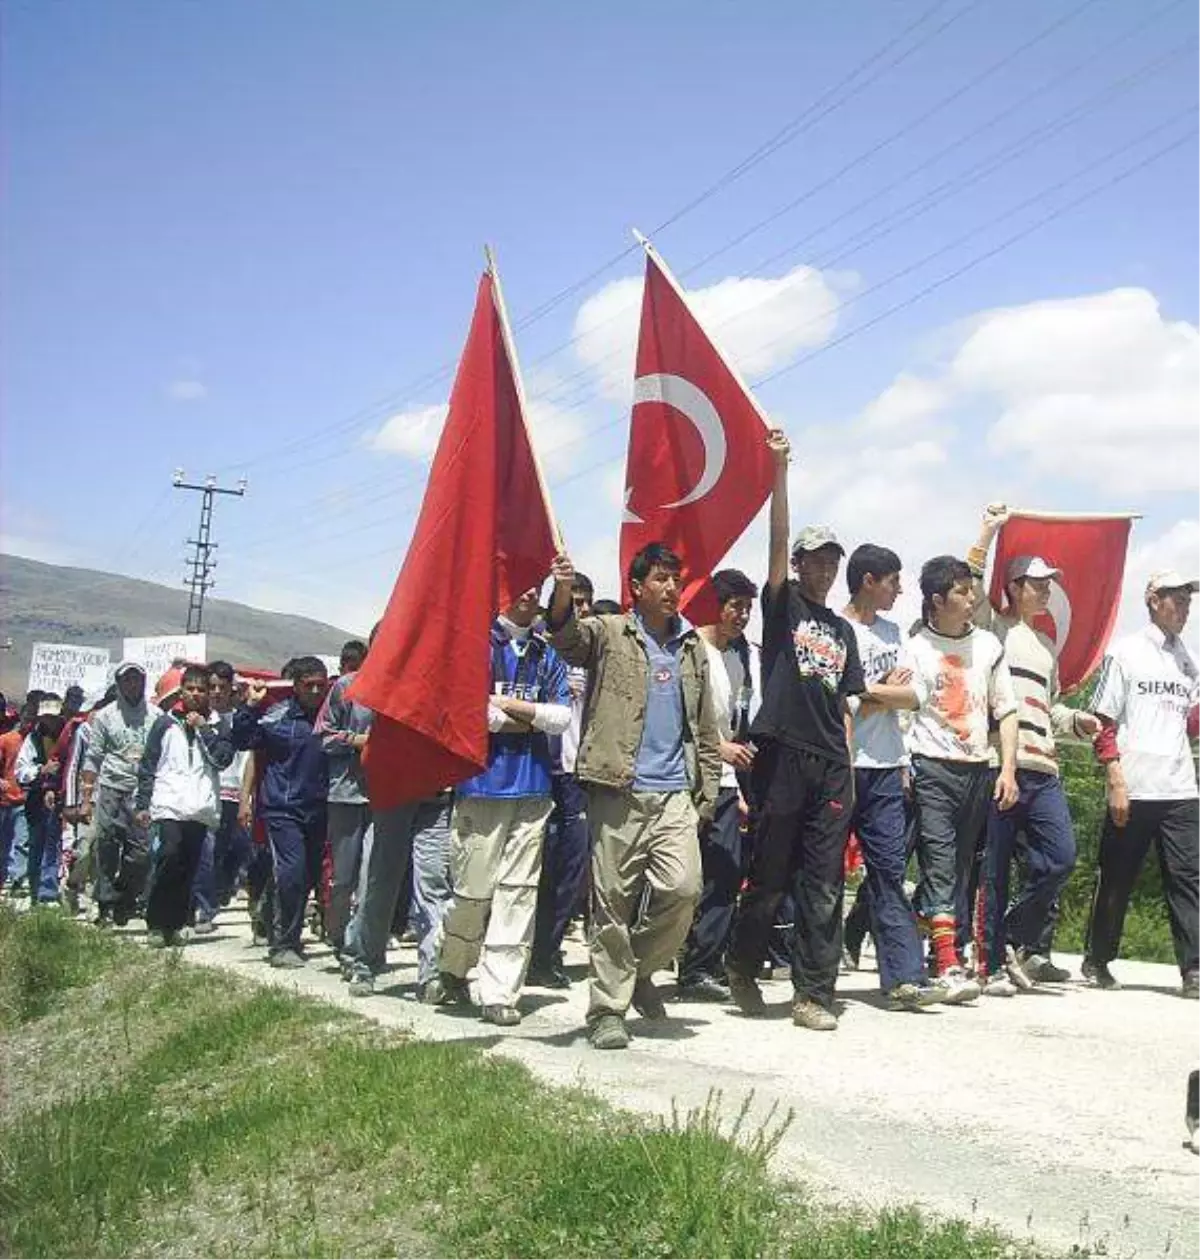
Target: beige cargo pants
x=495, y=861
x=646, y=880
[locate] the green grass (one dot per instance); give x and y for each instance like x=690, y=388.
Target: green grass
x=186, y=1113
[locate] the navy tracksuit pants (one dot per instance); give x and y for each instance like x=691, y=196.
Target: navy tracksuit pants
x=881, y=823
x=297, y=849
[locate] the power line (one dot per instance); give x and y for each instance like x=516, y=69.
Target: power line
x=796, y=127
x=886, y=281
x=890, y=222
x=936, y=108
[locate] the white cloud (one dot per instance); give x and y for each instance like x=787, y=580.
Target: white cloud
x=759, y=322
x=906, y=402
x=412, y=433
x=186, y=390
x=1099, y=389
x=415, y=433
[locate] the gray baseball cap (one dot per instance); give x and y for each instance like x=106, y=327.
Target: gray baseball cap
x=814, y=537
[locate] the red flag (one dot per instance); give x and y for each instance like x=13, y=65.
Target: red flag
x=484, y=537
x=698, y=468
x=1090, y=551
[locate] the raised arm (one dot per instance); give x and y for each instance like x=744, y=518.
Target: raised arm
x=994, y=515
x=777, y=555
x=577, y=642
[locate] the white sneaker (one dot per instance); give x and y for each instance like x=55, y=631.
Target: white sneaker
x=999, y=985
x=1016, y=971
x=956, y=988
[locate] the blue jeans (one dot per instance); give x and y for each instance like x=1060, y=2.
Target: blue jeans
x=14, y=844
x=564, y=867
x=881, y=824
x=431, y=880
x=1041, y=813
x=223, y=862
x=45, y=843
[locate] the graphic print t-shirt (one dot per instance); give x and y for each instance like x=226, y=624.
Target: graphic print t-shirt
x=878, y=743
x=809, y=665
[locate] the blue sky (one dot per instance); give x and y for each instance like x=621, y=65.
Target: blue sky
x=245, y=237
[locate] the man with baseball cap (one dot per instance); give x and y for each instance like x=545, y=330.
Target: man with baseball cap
x=801, y=775
x=1009, y=955
x=109, y=781
x=1147, y=689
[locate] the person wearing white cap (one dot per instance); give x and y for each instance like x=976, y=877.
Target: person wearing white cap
x=1009, y=956
x=1147, y=689
x=109, y=780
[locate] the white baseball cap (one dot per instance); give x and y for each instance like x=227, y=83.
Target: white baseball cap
x=1170, y=580
x=1031, y=567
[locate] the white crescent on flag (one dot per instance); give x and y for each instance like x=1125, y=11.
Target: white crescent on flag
x=1060, y=611
x=691, y=401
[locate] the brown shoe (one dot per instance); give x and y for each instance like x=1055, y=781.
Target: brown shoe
x=809, y=1014
x=647, y=1001
x=745, y=993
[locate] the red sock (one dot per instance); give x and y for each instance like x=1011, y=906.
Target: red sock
x=941, y=933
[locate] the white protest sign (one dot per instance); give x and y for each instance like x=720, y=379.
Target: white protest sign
x=155, y=653
x=57, y=666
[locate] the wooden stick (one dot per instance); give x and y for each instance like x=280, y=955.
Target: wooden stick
x=1033, y=514
x=511, y=350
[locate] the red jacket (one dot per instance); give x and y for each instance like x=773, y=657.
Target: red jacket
x=11, y=792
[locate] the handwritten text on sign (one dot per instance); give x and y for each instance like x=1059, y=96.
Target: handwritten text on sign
x=57, y=666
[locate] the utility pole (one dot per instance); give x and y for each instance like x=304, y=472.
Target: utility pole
x=199, y=579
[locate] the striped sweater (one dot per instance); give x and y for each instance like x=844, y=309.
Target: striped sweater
x=1034, y=669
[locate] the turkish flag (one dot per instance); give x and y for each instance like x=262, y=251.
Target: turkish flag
x=1090, y=551
x=484, y=536
x=698, y=468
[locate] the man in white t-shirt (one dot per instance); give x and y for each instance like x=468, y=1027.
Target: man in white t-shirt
x=722, y=850
x=1148, y=686
x=880, y=764
x=962, y=683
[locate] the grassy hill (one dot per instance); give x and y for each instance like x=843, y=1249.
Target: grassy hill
x=49, y=603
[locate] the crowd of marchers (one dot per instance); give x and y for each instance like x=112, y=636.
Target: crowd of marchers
x=690, y=795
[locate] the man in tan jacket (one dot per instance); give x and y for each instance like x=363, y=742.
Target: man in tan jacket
x=649, y=760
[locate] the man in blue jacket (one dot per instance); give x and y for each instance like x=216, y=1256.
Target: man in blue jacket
x=292, y=796
x=499, y=820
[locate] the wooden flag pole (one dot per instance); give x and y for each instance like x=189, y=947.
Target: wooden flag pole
x=644, y=242
x=1034, y=514
x=511, y=351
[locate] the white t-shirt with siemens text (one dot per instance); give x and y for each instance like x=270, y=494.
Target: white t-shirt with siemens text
x=878, y=741
x=1147, y=685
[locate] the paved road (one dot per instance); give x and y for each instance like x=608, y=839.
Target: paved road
x=1056, y=1114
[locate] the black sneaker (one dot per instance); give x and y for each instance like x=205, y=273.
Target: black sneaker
x=448, y=990
x=647, y=1000
x=1041, y=969
x=702, y=989
x=746, y=994
x=550, y=976
x=1098, y=974
x=1191, y=985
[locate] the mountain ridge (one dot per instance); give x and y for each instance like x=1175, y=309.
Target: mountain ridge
x=52, y=603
